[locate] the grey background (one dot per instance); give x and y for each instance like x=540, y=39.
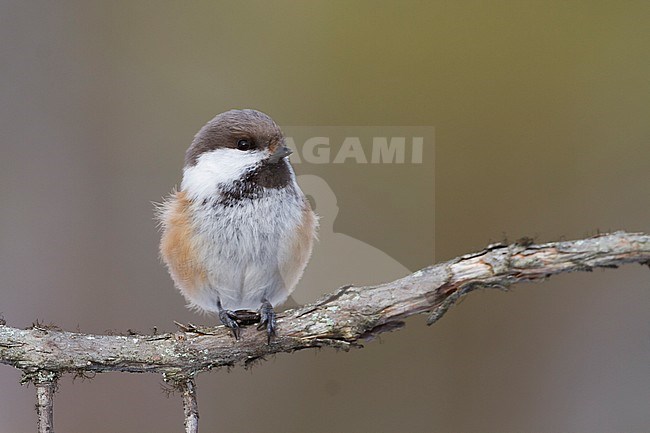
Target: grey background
x=541, y=114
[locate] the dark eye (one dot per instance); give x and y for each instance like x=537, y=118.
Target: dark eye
x=244, y=144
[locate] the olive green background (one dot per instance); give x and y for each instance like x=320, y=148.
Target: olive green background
x=540, y=112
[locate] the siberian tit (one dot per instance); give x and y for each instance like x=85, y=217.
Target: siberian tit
x=239, y=232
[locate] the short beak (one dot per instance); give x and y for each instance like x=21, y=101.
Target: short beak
x=280, y=153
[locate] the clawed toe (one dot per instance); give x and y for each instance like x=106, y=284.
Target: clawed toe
x=267, y=319
x=228, y=318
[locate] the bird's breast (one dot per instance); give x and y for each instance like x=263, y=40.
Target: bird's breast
x=247, y=234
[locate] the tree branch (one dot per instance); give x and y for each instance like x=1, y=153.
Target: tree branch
x=339, y=320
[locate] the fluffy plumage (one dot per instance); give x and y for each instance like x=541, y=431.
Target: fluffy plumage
x=239, y=231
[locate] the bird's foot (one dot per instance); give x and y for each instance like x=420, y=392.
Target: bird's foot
x=267, y=319
x=228, y=318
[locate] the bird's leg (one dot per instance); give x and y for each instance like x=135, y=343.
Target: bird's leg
x=228, y=317
x=267, y=319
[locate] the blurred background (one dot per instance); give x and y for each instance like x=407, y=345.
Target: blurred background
x=540, y=112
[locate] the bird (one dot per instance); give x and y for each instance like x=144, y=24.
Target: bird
x=238, y=233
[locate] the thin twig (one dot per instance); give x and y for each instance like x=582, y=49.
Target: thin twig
x=45, y=405
x=338, y=320
x=190, y=406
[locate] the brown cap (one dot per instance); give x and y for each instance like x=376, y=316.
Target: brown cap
x=229, y=128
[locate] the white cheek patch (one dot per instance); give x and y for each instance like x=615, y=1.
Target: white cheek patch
x=219, y=166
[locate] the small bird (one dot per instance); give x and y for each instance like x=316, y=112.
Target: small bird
x=239, y=232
